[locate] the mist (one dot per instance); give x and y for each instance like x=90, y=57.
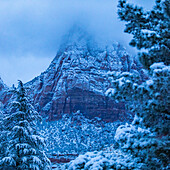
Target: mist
x=31, y=31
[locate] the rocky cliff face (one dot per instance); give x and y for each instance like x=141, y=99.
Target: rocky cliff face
x=77, y=80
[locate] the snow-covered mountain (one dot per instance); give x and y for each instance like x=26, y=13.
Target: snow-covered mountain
x=77, y=79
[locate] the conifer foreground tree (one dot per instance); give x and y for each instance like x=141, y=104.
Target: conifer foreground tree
x=147, y=138
x=150, y=30
x=25, y=148
x=2, y=136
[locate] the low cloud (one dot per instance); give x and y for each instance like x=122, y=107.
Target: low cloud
x=35, y=28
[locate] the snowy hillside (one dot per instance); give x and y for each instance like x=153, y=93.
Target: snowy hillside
x=76, y=134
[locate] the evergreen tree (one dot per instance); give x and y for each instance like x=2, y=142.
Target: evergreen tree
x=150, y=30
x=147, y=138
x=149, y=100
x=25, y=148
x=2, y=136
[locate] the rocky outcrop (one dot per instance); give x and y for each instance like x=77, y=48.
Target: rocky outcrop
x=77, y=80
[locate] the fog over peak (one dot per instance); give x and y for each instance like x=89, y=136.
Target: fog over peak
x=32, y=30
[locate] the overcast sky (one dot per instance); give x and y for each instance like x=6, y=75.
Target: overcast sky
x=31, y=30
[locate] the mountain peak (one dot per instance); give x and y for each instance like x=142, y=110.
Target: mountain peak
x=77, y=79
x=76, y=36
